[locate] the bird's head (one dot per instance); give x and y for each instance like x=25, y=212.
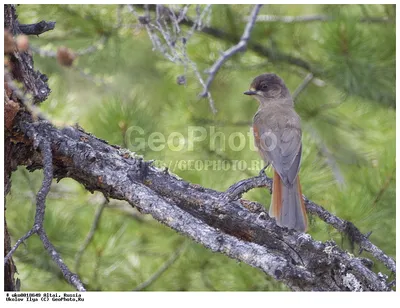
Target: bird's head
x=268, y=86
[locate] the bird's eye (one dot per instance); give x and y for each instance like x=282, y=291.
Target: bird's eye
x=264, y=87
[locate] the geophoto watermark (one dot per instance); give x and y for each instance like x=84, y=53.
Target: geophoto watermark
x=212, y=165
x=137, y=140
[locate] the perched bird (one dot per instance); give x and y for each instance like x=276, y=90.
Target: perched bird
x=277, y=134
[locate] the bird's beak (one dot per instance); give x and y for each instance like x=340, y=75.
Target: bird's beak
x=250, y=92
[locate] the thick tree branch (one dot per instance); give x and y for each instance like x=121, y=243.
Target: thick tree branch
x=341, y=225
x=241, y=230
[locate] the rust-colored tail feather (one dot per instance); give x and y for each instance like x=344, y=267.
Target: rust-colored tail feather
x=276, y=203
x=287, y=205
x=303, y=207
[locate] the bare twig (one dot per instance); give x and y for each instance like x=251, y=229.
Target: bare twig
x=72, y=278
x=301, y=73
x=38, y=227
x=90, y=235
x=19, y=242
x=182, y=13
x=47, y=155
x=162, y=268
x=241, y=46
x=313, y=18
x=37, y=28
x=154, y=38
x=303, y=85
x=172, y=44
x=236, y=190
x=197, y=24
x=179, y=50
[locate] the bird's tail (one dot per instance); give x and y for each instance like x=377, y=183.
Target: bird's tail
x=287, y=205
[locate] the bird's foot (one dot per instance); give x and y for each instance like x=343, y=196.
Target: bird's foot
x=262, y=171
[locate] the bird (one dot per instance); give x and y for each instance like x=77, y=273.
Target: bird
x=277, y=134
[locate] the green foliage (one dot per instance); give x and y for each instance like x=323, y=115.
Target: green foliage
x=348, y=162
x=357, y=56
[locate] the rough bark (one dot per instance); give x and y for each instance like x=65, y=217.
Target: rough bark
x=37, y=28
x=22, y=63
x=202, y=214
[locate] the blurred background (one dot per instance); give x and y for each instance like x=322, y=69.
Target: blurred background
x=112, y=68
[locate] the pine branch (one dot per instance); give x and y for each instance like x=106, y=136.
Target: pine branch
x=239, y=229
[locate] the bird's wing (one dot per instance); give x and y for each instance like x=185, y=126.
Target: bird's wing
x=278, y=138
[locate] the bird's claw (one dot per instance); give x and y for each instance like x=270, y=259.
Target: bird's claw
x=262, y=171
